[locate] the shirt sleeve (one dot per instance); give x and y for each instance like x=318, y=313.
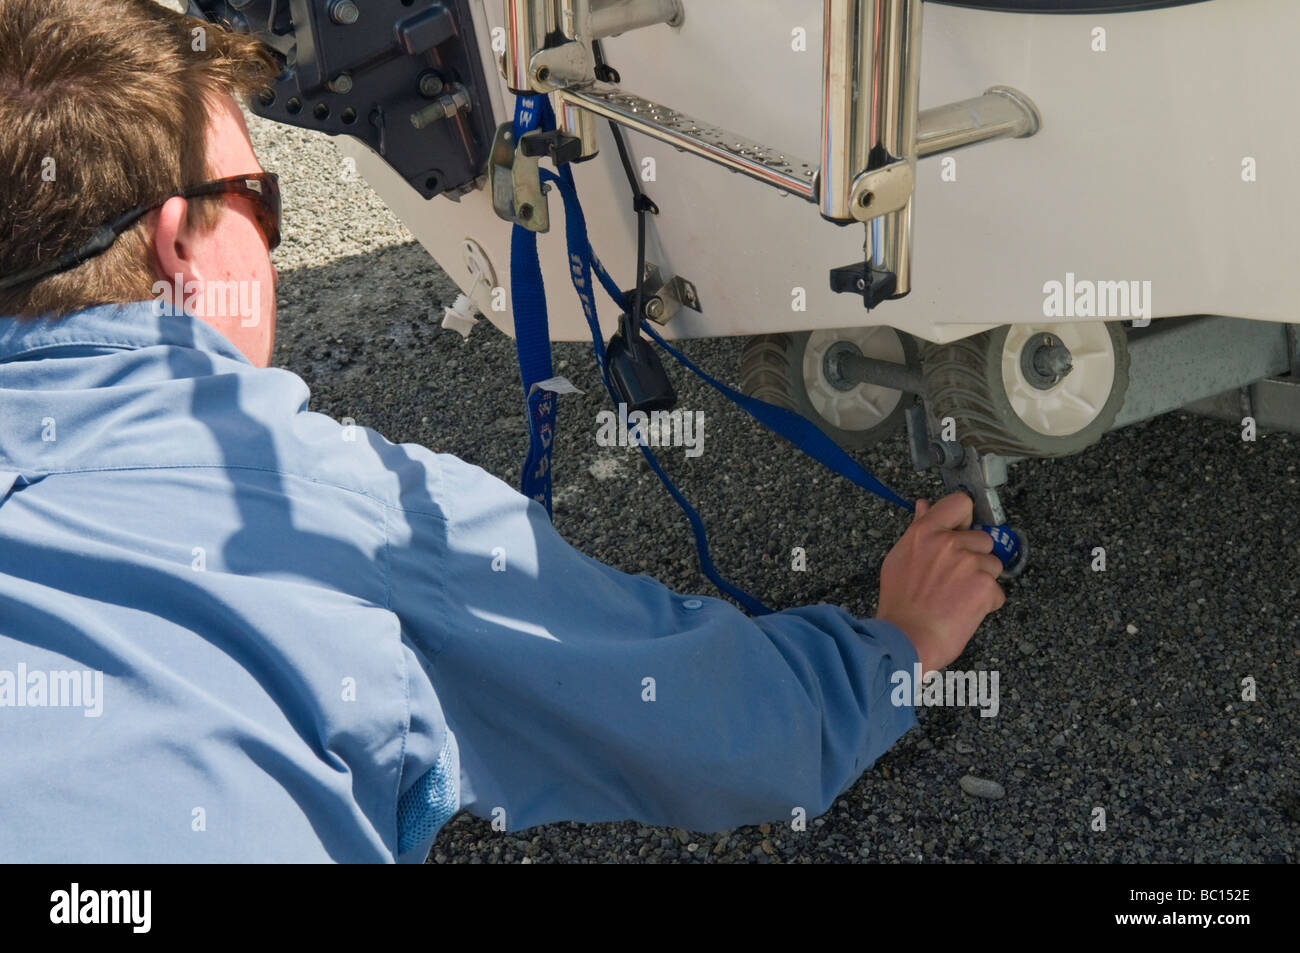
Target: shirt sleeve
x=429, y=788
x=576, y=692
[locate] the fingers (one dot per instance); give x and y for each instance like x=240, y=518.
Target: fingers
x=975, y=540
x=988, y=593
x=940, y=580
x=954, y=511
x=952, y=517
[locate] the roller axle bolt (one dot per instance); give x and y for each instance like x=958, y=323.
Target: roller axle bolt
x=1045, y=361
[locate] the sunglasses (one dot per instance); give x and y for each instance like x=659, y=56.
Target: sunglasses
x=263, y=188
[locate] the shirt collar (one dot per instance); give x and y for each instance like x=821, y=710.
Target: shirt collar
x=127, y=326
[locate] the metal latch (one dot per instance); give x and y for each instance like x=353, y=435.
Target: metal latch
x=517, y=193
x=663, y=299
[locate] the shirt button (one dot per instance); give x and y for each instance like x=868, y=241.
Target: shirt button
x=692, y=604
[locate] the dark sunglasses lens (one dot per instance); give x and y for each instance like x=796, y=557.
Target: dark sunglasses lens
x=269, y=210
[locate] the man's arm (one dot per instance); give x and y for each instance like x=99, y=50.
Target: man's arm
x=577, y=692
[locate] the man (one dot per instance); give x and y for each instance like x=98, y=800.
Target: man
x=232, y=629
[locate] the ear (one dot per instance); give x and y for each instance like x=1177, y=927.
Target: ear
x=174, y=248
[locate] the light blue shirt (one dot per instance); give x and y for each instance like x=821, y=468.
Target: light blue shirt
x=233, y=629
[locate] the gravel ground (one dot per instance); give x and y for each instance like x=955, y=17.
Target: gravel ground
x=1119, y=689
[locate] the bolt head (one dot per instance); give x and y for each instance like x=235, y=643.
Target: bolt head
x=431, y=85
x=344, y=12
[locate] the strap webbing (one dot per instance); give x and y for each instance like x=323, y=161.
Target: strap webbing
x=532, y=331
x=532, y=337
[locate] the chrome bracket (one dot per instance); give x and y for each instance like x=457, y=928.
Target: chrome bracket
x=517, y=192
x=559, y=67
x=881, y=191
x=661, y=300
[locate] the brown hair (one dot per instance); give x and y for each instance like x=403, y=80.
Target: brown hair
x=103, y=108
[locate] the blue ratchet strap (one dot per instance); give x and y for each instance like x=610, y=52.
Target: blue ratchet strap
x=810, y=439
x=532, y=331
x=582, y=262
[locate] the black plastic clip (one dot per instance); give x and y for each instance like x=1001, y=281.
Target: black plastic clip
x=635, y=371
x=560, y=147
x=861, y=278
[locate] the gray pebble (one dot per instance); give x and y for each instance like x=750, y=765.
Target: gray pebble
x=980, y=787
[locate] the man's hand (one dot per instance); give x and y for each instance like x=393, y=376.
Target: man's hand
x=940, y=580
